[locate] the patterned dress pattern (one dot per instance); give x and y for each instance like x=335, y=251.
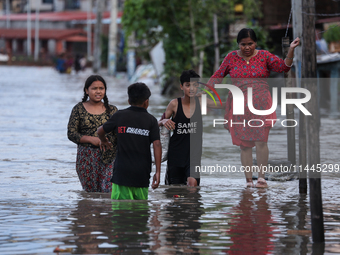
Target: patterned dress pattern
x=244, y=74
x=94, y=168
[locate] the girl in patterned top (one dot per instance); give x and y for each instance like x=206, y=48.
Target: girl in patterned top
x=94, y=167
x=249, y=67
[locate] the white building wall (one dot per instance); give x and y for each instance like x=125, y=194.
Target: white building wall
x=40, y=5
x=51, y=44
x=42, y=25
x=59, y=5
x=14, y=45
x=86, y=4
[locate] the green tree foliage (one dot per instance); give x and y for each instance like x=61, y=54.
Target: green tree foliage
x=332, y=34
x=252, y=8
x=185, y=26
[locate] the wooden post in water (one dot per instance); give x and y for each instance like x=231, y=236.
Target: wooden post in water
x=302, y=153
x=310, y=81
x=289, y=108
x=297, y=32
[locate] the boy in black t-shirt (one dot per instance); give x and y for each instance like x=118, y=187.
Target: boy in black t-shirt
x=136, y=129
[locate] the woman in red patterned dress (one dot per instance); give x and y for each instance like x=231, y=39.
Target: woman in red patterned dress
x=249, y=67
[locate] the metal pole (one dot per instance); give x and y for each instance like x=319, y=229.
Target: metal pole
x=112, y=56
x=97, y=37
x=36, y=40
x=7, y=14
x=217, y=48
x=192, y=31
x=200, y=67
x=29, y=28
x=89, y=31
x=131, y=61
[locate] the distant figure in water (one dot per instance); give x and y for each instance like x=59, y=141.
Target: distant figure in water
x=94, y=167
x=69, y=63
x=82, y=62
x=77, y=65
x=61, y=63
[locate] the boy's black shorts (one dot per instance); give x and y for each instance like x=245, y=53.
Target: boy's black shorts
x=179, y=175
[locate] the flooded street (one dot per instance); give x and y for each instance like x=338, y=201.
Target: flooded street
x=42, y=205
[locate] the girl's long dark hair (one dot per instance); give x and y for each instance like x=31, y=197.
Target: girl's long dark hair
x=88, y=83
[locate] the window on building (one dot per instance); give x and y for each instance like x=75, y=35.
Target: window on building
x=72, y=4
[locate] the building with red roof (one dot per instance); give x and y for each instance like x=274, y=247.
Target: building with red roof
x=58, y=31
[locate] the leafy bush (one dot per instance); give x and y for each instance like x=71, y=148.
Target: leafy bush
x=332, y=34
x=185, y=27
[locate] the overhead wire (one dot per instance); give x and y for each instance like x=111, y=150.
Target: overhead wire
x=290, y=15
x=323, y=14
x=315, y=14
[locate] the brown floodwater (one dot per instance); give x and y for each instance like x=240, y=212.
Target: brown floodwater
x=42, y=205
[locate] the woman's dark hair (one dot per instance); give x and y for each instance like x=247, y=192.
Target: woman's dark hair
x=187, y=75
x=138, y=93
x=246, y=33
x=88, y=83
